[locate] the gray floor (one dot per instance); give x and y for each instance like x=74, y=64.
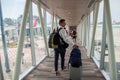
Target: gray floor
x=45, y=71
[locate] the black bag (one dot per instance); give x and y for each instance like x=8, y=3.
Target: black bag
x=63, y=43
x=53, y=40
x=75, y=58
x=56, y=41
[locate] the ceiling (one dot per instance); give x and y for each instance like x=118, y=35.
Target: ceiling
x=71, y=10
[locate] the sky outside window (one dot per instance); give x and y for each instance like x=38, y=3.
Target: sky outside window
x=14, y=8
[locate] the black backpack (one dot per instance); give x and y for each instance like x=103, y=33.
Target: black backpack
x=75, y=58
x=55, y=40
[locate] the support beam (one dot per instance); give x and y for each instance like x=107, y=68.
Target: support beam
x=85, y=33
x=112, y=62
x=42, y=25
x=1, y=71
x=53, y=21
x=94, y=29
x=4, y=41
x=88, y=33
x=21, y=41
x=32, y=35
x=56, y=24
x=82, y=32
x=102, y=59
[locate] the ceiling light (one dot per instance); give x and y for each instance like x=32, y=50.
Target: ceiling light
x=90, y=3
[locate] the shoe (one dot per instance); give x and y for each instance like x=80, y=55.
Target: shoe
x=64, y=68
x=57, y=73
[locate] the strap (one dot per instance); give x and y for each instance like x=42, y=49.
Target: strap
x=59, y=34
x=58, y=29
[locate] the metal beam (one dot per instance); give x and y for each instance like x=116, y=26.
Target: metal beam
x=32, y=35
x=53, y=21
x=88, y=30
x=112, y=62
x=1, y=71
x=85, y=33
x=94, y=29
x=4, y=41
x=21, y=41
x=56, y=21
x=103, y=43
x=82, y=33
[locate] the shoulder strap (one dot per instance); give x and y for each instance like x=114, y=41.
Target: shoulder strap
x=58, y=29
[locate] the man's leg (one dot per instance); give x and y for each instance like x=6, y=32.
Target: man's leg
x=62, y=54
x=56, y=59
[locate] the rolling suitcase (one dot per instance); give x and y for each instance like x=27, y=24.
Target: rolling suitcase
x=75, y=73
x=75, y=64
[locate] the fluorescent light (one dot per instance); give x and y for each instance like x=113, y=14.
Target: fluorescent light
x=44, y=4
x=90, y=3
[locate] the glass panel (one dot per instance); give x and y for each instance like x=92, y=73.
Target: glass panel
x=26, y=61
x=49, y=24
x=39, y=44
x=98, y=35
x=91, y=25
x=12, y=20
x=49, y=29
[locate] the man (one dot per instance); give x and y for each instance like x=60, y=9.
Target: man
x=61, y=50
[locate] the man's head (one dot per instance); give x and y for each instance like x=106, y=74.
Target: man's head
x=62, y=22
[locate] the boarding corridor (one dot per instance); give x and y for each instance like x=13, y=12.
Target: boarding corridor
x=24, y=51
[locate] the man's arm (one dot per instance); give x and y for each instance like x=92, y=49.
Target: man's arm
x=66, y=37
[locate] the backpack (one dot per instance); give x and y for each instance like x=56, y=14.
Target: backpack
x=75, y=58
x=55, y=40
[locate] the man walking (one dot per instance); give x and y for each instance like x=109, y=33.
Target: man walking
x=61, y=50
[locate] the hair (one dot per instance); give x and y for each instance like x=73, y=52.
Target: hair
x=61, y=21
